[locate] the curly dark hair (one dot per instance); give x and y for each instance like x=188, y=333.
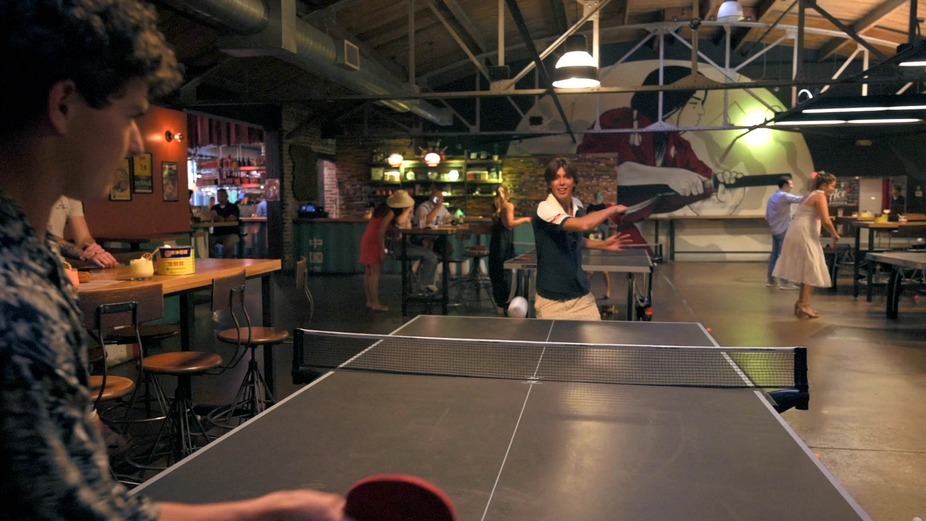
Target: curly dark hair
x=101, y=45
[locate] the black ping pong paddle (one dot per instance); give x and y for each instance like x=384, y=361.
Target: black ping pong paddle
x=397, y=497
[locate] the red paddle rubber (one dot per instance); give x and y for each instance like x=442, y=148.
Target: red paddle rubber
x=397, y=497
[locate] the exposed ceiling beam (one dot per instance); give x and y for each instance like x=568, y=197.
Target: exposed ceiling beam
x=467, y=24
x=763, y=11
x=456, y=37
x=538, y=63
x=845, y=28
x=332, y=10
x=558, y=20
x=870, y=20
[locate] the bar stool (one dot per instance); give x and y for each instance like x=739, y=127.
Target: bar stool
x=113, y=317
x=151, y=336
x=107, y=387
x=254, y=395
x=181, y=419
x=475, y=281
x=302, y=284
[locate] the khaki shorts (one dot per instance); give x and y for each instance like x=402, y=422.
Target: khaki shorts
x=582, y=308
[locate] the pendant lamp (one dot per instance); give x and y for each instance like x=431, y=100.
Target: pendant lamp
x=576, y=69
x=730, y=11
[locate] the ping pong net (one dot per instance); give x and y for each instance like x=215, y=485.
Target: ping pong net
x=780, y=372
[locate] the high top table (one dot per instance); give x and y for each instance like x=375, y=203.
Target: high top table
x=183, y=286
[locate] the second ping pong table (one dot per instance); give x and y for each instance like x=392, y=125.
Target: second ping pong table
x=632, y=261
x=528, y=449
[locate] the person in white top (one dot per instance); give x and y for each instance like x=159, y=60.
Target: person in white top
x=70, y=212
x=802, y=259
x=778, y=215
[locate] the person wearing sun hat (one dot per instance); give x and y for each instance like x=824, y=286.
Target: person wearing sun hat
x=402, y=206
x=400, y=199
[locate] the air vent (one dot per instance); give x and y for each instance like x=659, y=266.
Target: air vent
x=349, y=55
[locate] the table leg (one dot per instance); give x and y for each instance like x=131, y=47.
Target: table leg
x=187, y=320
x=672, y=240
x=856, y=266
x=868, y=265
x=655, y=231
x=445, y=290
x=266, y=303
x=894, y=290
x=404, y=275
x=631, y=308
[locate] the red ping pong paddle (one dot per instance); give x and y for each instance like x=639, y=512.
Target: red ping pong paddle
x=397, y=497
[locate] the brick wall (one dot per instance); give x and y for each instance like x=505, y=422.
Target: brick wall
x=524, y=177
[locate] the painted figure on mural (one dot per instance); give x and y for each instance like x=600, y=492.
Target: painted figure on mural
x=658, y=171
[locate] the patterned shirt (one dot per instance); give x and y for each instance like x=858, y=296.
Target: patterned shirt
x=53, y=460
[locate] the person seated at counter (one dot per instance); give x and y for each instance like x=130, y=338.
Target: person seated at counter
x=431, y=214
x=228, y=237
x=70, y=212
x=400, y=201
x=261, y=210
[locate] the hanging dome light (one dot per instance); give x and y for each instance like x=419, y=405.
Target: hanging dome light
x=576, y=69
x=730, y=11
x=432, y=159
x=395, y=160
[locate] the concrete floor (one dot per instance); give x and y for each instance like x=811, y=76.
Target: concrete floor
x=867, y=417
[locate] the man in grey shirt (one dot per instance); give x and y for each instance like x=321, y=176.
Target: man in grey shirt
x=778, y=215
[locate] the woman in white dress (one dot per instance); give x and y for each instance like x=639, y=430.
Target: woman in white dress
x=801, y=257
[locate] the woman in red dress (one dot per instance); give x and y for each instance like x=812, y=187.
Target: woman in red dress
x=373, y=243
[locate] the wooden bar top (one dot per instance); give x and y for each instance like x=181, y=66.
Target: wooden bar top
x=206, y=271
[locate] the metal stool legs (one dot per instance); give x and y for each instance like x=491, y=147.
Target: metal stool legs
x=252, y=398
x=178, y=428
x=475, y=282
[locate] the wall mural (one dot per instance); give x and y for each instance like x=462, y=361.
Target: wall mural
x=674, y=172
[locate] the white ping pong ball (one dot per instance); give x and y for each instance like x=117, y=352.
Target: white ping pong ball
x=518, y=307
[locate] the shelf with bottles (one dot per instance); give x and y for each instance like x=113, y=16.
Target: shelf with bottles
x=238, y=165
x=451, y=170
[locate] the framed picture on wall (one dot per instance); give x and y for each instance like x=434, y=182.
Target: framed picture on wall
x=169, y=181
x=122, y=188
x=142, y=180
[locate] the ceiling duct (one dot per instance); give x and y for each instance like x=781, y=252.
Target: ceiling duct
x=277, y=31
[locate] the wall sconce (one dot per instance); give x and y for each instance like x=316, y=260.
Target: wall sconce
x=395, y=160
x=170, y=136
x=432, y=159
x=433, y=155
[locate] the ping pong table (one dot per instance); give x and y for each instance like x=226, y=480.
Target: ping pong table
x=528, y=449
x=632, y=261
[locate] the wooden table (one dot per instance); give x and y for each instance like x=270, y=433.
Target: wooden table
x=898, y=261
x=445, y=263
x=183, y=286
x=872, y=227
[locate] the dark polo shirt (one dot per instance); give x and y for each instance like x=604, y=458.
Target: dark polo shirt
x=559, y=253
